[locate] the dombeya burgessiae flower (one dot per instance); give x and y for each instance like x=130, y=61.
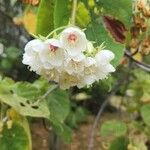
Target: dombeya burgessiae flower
x=73, y=40
x=70, y=60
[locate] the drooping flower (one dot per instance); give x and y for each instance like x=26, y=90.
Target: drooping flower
x=103, y=59
x=104, y=56
x=51, y=75
x=89, y=75
x=68, y=80
x=52, y=54
x=31, y=55
x=74, y=64
x=62, y=60
x=73, y=40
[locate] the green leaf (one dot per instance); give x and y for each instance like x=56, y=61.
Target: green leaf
x=58, y=104
x=45, y=18
x=41, y=84
x=119, y=9
x=26, y=90
x=18, y=137
x=119, y=143
x=77, y=116
x=83, y=15
x=23, y=96
x=113, y=127
x=23, y=106
x=97, y=32
x=61, y=13
x=145, y=113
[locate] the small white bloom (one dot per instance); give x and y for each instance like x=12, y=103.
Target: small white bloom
x=104, y=56
x=75, y=64
x=104, y=67
x=1, y=48
x=89, y=71
x=51, y=75
x=73, y=40
x=31, y=55
x=34, y=46
x=66, y=80
x=64, y=62
x=52, y=55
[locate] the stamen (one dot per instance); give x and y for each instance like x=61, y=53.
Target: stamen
x=53, y=48
x=72, y=38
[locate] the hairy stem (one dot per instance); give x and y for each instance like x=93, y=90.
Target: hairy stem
x=74, y=8
x=54, y=31
x=53, y=87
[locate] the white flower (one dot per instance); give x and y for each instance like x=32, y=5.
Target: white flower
x=31, y=55
x=63, y=61
x=104, y=56
x=1, y=48
x=73, y=40
x=75, y=64
x=52, y=55
x=51, y=75
x=104, y=67
x=89, y=71
x=66, y=80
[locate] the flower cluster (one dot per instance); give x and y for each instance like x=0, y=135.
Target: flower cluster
x=64, y=60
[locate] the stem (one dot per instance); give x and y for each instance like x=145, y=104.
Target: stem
x=93, y=131
x=98, y=116
x=57, y=29
x=47, y=93
x=74, y=8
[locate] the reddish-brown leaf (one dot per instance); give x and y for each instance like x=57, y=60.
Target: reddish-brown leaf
x=116, y=28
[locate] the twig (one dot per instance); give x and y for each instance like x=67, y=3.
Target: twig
x=47, y=93
x=91, y=141
x=97, y=119
x=134, y=53
x=143, y=66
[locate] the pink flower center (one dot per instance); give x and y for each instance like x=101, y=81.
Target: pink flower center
x=72, y=38
x=53, y=48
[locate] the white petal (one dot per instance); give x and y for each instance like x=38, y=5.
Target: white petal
x=104, y=56
x=26, y=59
x=90, y=61
x=78, y=58
x=54, y=42
x=57, y=58
x=76, y=47
x=90, y=79
x=109, y=68
x=48, y=56
x=34, y=46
